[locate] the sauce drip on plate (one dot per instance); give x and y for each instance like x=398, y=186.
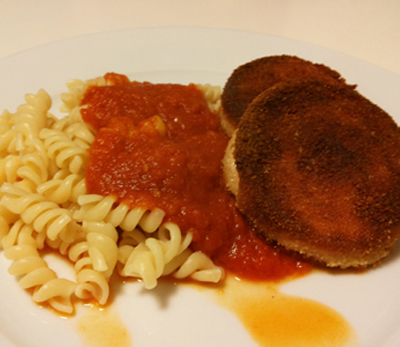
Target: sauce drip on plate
x=274, y=319
x=102, y=328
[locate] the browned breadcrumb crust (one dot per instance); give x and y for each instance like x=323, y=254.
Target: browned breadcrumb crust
x=319, y=170
x=251, y=79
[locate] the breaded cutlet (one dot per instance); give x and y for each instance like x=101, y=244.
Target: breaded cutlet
x=318, y=170
x=251, y=79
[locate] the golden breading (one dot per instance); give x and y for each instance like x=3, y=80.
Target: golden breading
x=319, y=172
x=251, y=79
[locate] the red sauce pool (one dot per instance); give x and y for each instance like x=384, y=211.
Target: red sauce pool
x=159, y=145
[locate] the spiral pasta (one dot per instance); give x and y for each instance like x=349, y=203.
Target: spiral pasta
x=149, y=258
x=44, y=215
x=65, y=152
x=75, y=128
x=76, y=90
x=35, y=273
x=97, y=208
x=7, y=219
x=33, y=170
x=32, y=116
x=9, y=166
x=63, y=187
x=44, y=203
x=7, y=133
x=95, y=260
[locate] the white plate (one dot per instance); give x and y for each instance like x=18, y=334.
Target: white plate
x=172, y=316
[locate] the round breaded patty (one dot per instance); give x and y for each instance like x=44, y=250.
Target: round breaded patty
x=319, y=172
x=251, y=79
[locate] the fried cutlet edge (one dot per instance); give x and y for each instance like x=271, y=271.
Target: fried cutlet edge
x=369, y=256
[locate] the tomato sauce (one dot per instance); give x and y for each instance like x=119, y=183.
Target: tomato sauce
x=159, y=145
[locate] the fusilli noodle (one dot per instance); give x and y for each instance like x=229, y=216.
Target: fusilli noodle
x=149, y=258
x=44, y=202
x=95, y=260
x=35, y=273
x=64, y=151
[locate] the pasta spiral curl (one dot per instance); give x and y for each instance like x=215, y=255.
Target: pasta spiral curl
x=9, y=166
x=31, y=117
x=18, y=230
x=65, y=152
x=27, y=122
x=197, y=266
x=97, y=208
x=76, y=90
x=7, y=133
x=6, y=219
x=80, y=134
x=63, y=187
x=95, y=260
x=33, y=170
x=75, y=115
x=165, y=253
x=35, y=273
x=10, y=143
x=147, y=259
x=30, y=169
x=5, y=122
x=103, y=250
x=45, y=216
x=75, y=128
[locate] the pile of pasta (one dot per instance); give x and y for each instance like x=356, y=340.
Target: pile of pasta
x=44, y=205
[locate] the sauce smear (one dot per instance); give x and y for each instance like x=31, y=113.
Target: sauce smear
x=159, y=145
x=274, y=319
x=101, y=328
